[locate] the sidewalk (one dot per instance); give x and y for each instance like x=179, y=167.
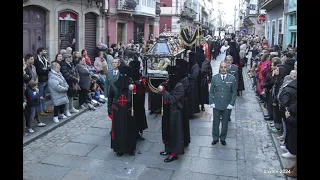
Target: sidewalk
x=285, y=163
x=48, y=120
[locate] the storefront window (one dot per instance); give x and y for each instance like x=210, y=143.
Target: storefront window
x=67, y=30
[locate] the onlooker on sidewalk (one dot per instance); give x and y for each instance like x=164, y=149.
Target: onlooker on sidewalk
x=279, y=74
x=58, y=58
x=71, y=75
x=58, y=88
x=288, y=98
x=30, y=69
x=268, y=88
x=33, y=96
x=85, y=82
x=86, y=57
x=42, y=67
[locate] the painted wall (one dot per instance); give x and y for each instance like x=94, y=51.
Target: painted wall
x=167, y=2
x=274, y=14
x=112, y=31
x=165, y=20
x=292, y=8
x=130, y=27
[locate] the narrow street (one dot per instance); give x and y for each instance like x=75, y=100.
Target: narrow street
x=80, y=149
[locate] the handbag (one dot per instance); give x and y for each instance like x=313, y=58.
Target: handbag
x=75, y=87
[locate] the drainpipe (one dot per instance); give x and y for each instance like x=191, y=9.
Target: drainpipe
x=285, y=10
x=108, y=24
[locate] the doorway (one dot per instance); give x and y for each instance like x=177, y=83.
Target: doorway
x=120, y=33
x=34, y=29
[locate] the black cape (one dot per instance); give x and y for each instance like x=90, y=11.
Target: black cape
x=139, y=110
x=185, y=112
x=193, y=100
x=172, y=126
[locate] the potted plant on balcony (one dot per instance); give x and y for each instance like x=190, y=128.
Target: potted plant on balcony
x=131, y=4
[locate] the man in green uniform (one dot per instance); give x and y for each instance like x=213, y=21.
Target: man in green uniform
x=222, y=98
x=232, y=69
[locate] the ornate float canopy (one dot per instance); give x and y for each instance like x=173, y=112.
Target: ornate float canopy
x=166, y=47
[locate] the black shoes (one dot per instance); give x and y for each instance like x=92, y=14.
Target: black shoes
x=214, y=142
x=132, y=154
x=119, y=154
x=202, y=108
x=164, y=153
x=171, y=158
x=223, y=142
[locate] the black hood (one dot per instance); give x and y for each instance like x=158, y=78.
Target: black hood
x=124, y=78
x=183, y=67
x=174, y=76
x=135, y=67
x=192, y=58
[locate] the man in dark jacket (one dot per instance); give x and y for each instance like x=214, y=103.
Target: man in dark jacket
x=42, y=67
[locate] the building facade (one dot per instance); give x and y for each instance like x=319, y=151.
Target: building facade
x=177, y=14
x=131, y=20
x=58, y=24
x=291, y=22
x=274, y=24
x=250, y=23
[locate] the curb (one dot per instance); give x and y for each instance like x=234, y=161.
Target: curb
x=274, y=139
x=53, y=127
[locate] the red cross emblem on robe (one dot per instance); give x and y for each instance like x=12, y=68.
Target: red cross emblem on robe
x=165, y=101
x=122, y=100
x=139, y=90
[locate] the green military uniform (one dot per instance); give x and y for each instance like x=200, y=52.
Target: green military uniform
x=222, y=93
x=233, y=69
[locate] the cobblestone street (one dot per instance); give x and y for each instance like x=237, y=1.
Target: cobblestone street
x=80, y=149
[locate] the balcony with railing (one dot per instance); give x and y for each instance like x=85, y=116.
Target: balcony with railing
x=146, y=8
x=188, y=13
x=126, y=6
x=268, y=4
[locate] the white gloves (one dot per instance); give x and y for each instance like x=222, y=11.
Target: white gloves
x=212, y=105
x=230, y=107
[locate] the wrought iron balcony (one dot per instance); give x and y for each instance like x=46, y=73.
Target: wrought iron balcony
x=188, y=13
x=158, y=9
x=126, y=6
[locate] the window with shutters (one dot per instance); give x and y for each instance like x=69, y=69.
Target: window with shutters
x=293, y=19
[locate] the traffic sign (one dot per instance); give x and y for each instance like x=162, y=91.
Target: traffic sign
x=261, y=18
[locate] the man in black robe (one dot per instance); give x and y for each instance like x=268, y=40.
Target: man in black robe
x=172, y=128
x=204, y=75
x=183, y=71
x=123, y=131
x=139, y=99
x=193, y=102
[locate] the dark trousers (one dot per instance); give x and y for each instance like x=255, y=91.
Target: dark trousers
x=269, y=105
x=58, y=110
x=83, y=96
x=31, y=114
x=277, y=117
x=216, y=123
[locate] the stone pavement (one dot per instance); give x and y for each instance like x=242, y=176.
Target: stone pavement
x=80, y=149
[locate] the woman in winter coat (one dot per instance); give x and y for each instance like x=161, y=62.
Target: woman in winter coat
x=288, y=99
x=85, y=83
x=70, y=73
x=262, y=70
x=58, y=88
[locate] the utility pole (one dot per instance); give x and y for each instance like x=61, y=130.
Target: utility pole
x=235, y=18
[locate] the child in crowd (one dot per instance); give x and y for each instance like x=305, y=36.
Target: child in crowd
x=32, y=96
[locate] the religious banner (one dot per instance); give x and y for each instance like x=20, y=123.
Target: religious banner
x=188, y=39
